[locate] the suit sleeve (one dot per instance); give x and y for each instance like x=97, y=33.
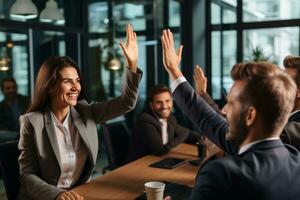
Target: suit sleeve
x=115, y=107
x=210, y=102
x=34, y=186
x=205, y=119
x=213, y=182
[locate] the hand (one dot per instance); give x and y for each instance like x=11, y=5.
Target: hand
x=130, y=50
x=171, y=59
x=200, y=80
x=167, y=198
x=69, y=195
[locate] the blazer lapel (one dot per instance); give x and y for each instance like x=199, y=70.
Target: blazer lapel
x=50, y=129
x=81, y=129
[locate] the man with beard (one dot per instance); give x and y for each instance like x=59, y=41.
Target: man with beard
x=156, y=130
x=12, y=106
x=259, y=165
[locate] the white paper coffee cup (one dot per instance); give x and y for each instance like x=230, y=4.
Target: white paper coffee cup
x=154, y=190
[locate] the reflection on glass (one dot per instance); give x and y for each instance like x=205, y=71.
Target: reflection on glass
x=98, y=17
x=223, y=11
x=174, y=13
x=55, y=41
x=271, y=44
x=16, y=52
x=265, y=10
x=221, y=81
x=100, y=75
x=134, y=14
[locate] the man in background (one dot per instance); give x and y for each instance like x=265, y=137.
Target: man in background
x=156, y=131
x=12, y=106
x=291, y=131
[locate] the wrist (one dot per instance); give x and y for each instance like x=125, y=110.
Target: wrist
x=132, y=69
x=175, y=74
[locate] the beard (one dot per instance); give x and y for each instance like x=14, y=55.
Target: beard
x=238, y=131
x=163, y=113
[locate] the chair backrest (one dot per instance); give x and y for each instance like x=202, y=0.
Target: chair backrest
x=9, y=167
x=116, y=141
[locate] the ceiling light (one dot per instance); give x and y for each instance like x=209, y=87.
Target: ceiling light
x=23, y=9
x=4, y=64
x=51, y=13
x=113, y=64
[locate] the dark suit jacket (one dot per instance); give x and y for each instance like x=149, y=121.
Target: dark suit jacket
x=291, y=132
x=146, y=136
x=10, y=120
x=266, y=171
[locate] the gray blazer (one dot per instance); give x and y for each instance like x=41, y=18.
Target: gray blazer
x=40, y=158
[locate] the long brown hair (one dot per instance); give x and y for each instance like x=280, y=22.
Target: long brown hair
x=47, y=77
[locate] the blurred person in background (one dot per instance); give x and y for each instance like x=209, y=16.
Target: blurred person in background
x=12, y=106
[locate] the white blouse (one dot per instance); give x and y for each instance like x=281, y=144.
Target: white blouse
x=73, y=152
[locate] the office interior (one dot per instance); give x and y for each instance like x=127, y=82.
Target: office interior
x=216, y=34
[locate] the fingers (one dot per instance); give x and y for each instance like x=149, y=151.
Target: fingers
x=180, y=51
x=164, y=39
x=198, y=72
x=123, y=48
x=127, y=34
x=170, y=37
x=130, y=34
x=76, y=196
x=167, y=198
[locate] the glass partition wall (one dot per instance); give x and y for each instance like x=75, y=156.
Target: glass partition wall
x=249, y=30
x=107, y=21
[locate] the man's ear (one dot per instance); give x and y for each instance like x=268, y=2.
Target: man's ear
x=250, y=116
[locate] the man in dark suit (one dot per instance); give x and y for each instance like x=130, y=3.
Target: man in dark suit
x=12, y=106
x=259, y=165
x=156, y=131
x=291, y=132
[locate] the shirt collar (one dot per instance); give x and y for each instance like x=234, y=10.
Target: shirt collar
x=248, y=146
x=294, y=112
x=65, y=122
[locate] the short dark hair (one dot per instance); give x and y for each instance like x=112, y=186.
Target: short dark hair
x=293, y=62
x=47, y=77
x=157, y=89
x=269, y=89
x=7, y=79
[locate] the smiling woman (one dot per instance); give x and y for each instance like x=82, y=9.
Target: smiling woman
x=58, y=135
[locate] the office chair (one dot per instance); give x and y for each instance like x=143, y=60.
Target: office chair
x=116, y=141
x=9, y=167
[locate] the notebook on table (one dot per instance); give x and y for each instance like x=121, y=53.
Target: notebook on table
x=168, y=163
x=175, y=190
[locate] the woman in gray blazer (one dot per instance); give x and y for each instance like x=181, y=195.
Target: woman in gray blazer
x=58, y=135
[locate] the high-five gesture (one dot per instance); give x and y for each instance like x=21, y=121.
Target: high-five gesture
x=130, y=50
x=200, y=80
x=171, y=59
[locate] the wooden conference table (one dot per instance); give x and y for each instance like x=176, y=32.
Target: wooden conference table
x=127, y=182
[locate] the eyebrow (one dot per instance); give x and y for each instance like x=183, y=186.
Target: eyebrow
x=70, y=78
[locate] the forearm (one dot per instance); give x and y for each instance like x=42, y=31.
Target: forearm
x=38, y=189
x=210, y=123
x=117, y=106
